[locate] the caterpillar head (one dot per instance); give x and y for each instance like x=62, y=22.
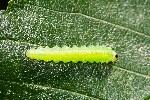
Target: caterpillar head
x=115, y=58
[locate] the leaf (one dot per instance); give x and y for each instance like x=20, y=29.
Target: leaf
x=122, y=25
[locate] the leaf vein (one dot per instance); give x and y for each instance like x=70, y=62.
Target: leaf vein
x=104, y=21
x=136, y=73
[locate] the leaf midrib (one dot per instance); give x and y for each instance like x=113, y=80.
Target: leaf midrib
x=120, y=68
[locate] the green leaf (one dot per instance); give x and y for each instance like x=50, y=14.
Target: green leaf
x=122, y=25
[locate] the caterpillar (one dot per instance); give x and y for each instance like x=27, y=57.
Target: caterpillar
x=66, y=54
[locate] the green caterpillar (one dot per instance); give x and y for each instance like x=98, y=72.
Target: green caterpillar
x=85, y=54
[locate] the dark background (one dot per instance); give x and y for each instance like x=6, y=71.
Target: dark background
x=3, y=4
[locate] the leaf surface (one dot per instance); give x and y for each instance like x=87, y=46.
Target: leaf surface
x=121, y=25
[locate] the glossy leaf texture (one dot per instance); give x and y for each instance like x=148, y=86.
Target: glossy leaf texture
x=122, y=25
